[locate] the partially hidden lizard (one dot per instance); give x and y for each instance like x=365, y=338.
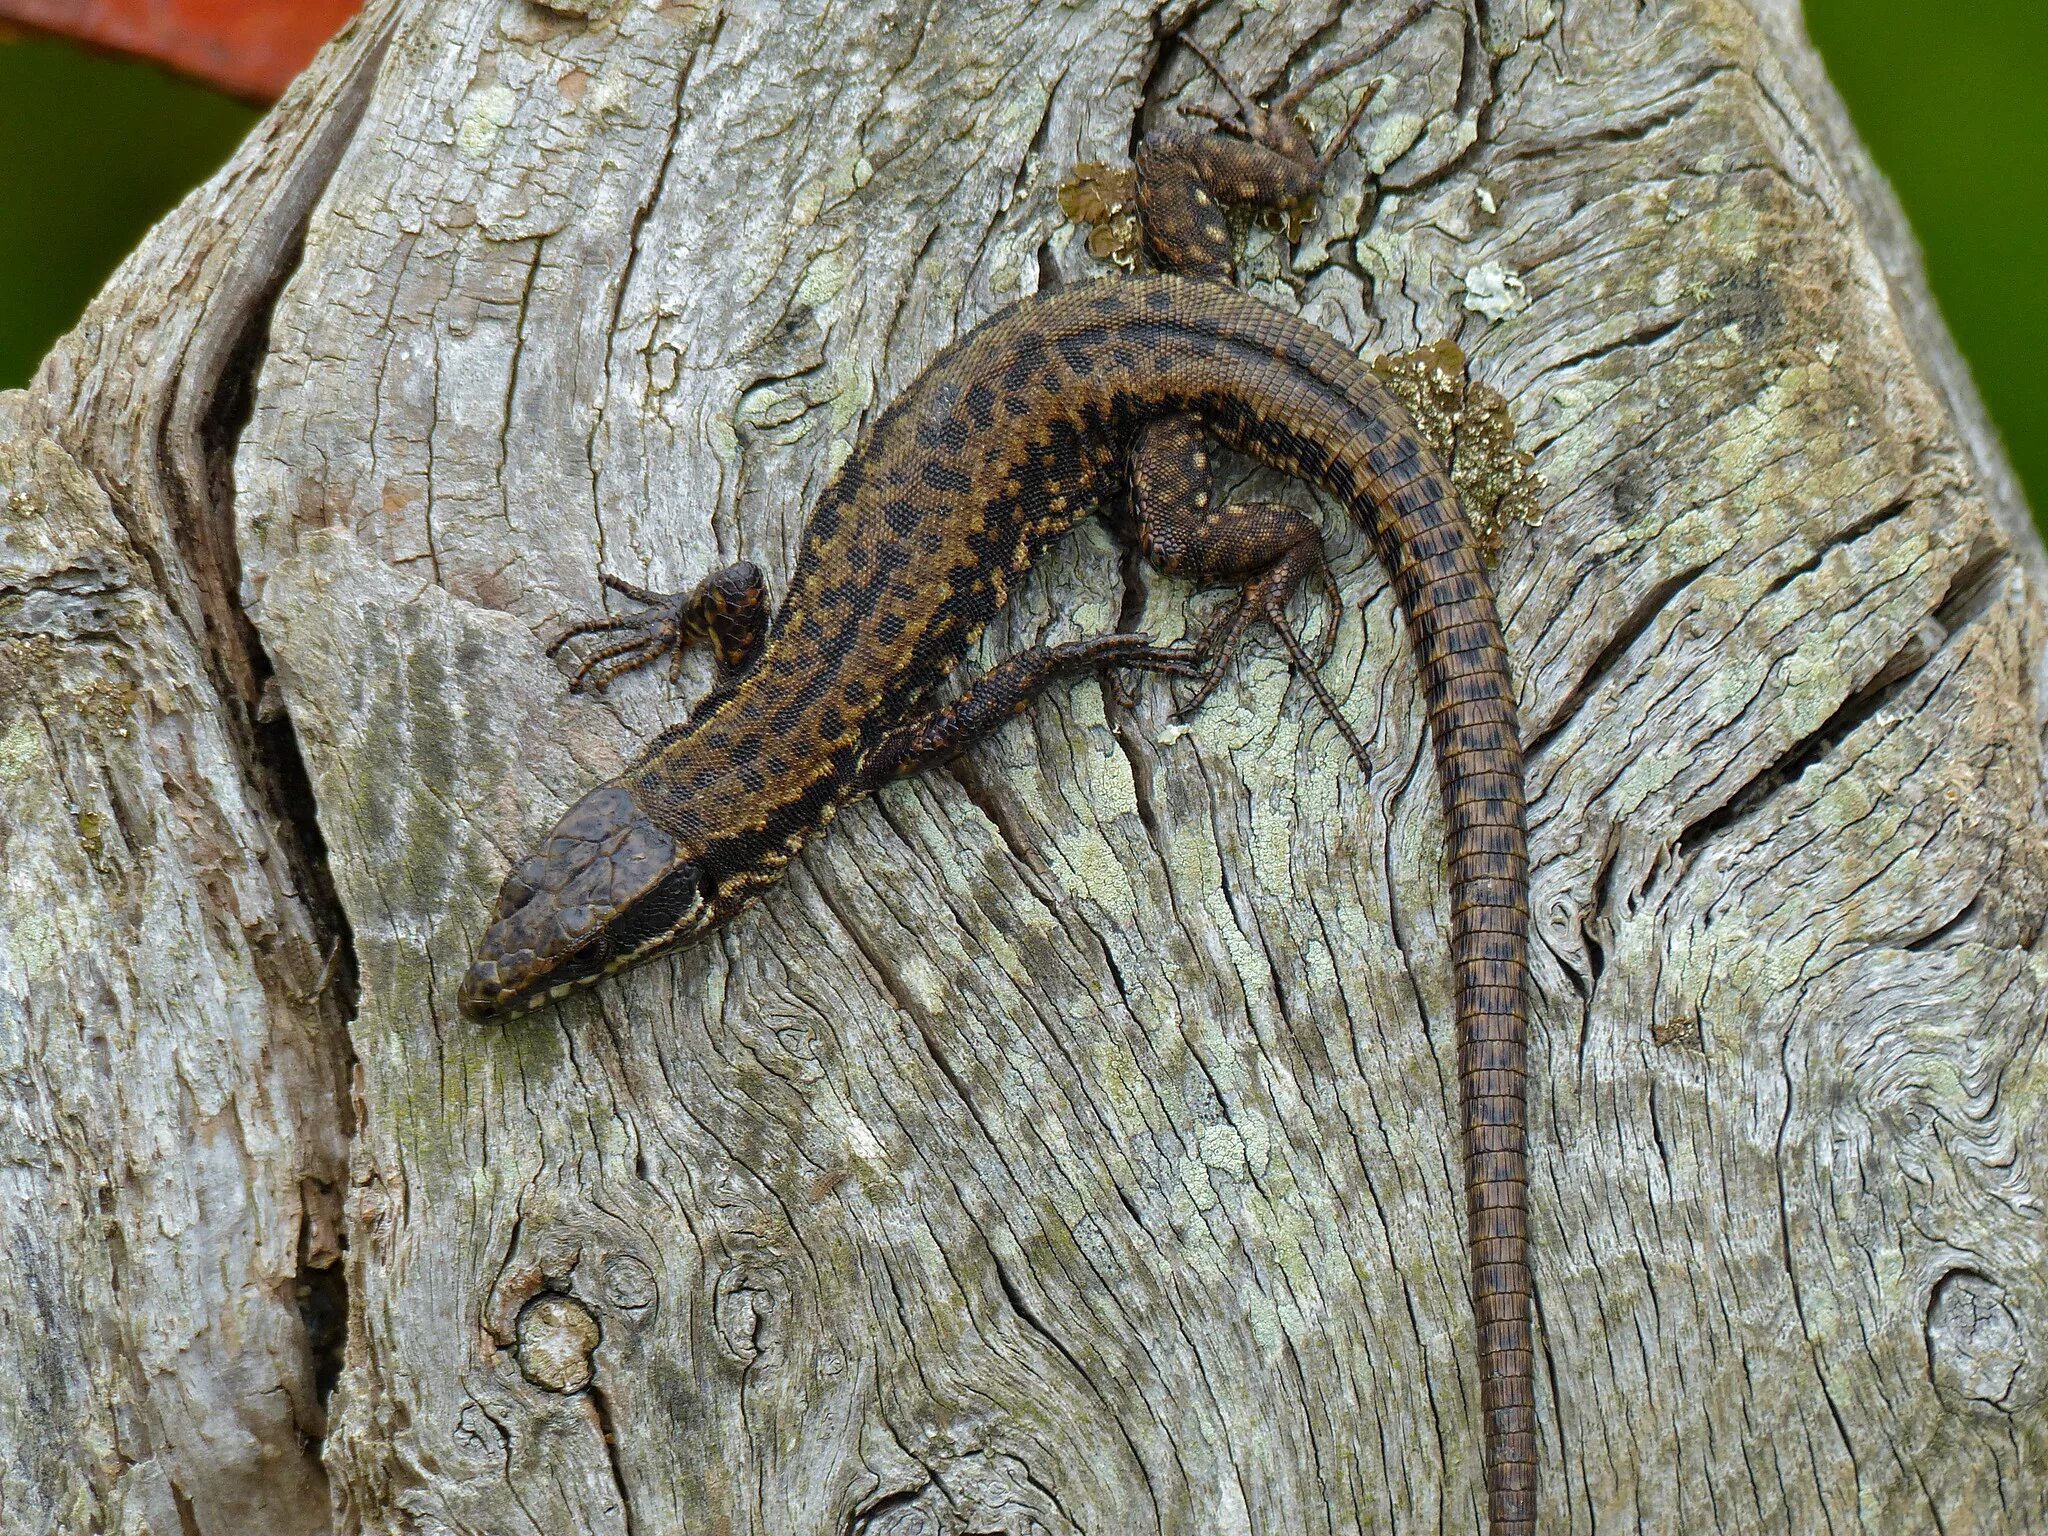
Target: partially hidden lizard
x=1010, y=437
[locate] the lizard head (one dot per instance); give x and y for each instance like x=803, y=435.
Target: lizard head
x=607, y=889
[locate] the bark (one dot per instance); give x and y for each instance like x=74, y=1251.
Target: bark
x=1067, y=1146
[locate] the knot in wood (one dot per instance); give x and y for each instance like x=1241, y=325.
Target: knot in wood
x=557, y=1336
x=743, y=1303
x=477, y=1436
x=914, y=1512
x=1976, y=1349
x=629, y=1284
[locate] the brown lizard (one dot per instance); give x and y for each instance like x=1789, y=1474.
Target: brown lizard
x=1009, y=438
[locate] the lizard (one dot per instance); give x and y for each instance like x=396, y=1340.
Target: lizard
x=1046, y=411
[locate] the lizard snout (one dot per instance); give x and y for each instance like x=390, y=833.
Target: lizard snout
x=604, y=884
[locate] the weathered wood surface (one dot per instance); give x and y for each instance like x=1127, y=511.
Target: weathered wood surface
x=1068, y=1146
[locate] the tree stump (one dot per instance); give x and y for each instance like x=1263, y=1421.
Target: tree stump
x=1068, y=1145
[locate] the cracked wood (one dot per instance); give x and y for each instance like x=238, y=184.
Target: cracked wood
x=1787, y=1001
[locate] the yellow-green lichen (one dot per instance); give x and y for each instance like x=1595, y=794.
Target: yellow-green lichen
x=481, y=120
x=1118, y=1075
x=1495, y=290
x=1251, y=970
x=21, y=750
x=1221, y=1147
x=848, y=390
x=1261, y=1316
x=824, y=280
x=724, y=440
x=1390, y=137
x=1469, y=424
x=1193, y=1191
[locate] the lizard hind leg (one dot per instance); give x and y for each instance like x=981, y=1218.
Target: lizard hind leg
x=728, y=608
x=1269, y=550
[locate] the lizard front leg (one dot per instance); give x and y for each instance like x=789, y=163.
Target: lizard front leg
x=729, y=608
x=1006, y=691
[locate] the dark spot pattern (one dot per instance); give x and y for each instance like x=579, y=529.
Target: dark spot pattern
x=1010, y=436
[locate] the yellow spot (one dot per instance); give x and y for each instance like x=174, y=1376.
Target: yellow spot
x=482, y=118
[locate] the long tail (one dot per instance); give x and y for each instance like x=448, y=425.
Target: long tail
x=1343, y=428
x=1442, y=588
x=1349, y=432
x=1292, y=395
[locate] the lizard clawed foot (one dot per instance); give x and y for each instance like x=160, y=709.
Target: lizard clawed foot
x=728, y=608
x=1275, y=126
x=1264, y=599
x=656, y=627
x=1248, y=119
x=1230, y=122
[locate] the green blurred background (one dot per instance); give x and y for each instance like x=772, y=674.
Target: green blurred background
x=1951, y=98
x=93, y=150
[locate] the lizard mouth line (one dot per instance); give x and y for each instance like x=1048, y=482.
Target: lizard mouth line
x=501, y=985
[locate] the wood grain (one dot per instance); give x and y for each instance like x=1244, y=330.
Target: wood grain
x=1069, y=1146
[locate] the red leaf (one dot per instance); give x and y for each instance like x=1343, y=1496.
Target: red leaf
x=249, y=48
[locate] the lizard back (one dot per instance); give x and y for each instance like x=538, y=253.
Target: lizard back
x=1010, y=437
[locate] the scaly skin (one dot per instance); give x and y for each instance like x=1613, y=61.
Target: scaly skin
x=1010, y=437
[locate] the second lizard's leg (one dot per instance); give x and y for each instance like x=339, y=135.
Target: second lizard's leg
x=1259, y=158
